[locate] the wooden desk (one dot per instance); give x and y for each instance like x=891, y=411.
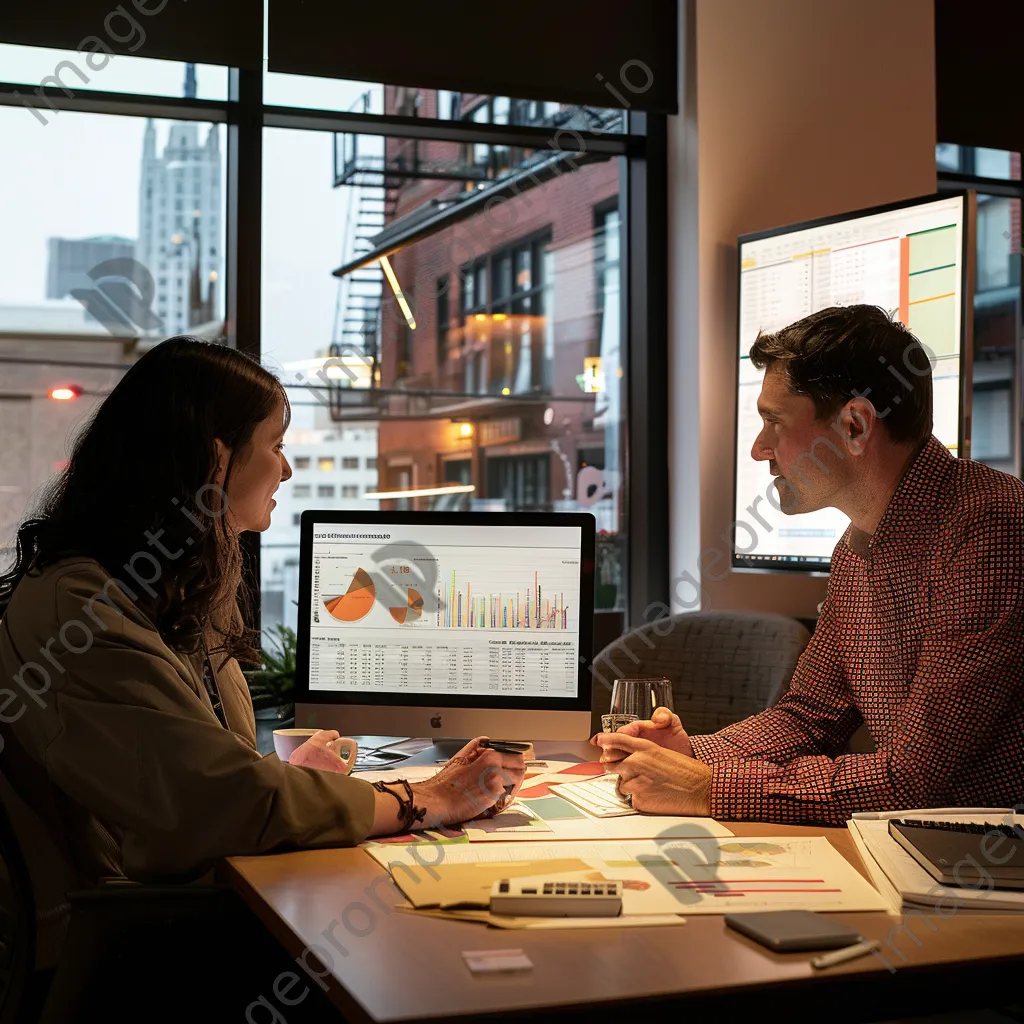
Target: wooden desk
x=397, y=967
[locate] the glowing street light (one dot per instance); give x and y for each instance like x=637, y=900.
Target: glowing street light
x=64, y=392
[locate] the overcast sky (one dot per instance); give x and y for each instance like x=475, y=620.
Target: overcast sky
x=79, y=175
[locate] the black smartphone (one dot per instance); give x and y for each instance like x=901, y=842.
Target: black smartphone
x=506, y=746
x=793, y=931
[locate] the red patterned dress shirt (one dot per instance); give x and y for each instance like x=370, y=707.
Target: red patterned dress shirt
x=921, y=638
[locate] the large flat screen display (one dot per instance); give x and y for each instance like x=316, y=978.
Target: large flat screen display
x=474, y=611
x=910, y=260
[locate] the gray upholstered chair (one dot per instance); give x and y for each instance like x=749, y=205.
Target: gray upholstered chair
x=724, y=666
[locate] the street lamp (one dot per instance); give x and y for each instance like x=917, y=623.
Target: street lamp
x=64, y=392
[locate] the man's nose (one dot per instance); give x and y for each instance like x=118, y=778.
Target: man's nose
x=760, y=452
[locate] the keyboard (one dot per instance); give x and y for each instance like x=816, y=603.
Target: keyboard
x=598, y=797
x=964, y=854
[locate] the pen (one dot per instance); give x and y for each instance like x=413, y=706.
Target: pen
x=840, y=956
x=885, y=815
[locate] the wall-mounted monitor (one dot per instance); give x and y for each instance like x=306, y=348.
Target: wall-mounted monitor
x=912, y=259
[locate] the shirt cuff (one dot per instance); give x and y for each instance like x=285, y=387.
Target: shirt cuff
x=738, y=792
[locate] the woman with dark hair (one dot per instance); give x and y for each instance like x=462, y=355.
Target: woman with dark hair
x=126, y=728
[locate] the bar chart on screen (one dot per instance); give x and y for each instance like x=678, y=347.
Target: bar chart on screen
x=446, y=611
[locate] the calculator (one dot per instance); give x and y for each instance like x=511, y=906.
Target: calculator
x=541, y=897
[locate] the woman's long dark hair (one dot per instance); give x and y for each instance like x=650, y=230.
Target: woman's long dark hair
x=140, y=482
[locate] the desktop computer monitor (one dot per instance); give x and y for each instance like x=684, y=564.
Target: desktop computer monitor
x=913, y=259
x=446, y=625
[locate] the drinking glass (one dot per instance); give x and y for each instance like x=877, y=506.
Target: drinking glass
x=640, y=697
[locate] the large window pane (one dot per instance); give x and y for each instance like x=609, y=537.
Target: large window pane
x=997, y=325
x=976, y=160
x=500, y=385
x=34, y=65
x=98, y=265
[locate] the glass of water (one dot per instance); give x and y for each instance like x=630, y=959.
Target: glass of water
x=639, y=698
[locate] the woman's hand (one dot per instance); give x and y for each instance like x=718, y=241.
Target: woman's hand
x=664, y=728
x=320, y=751
x=475, y=783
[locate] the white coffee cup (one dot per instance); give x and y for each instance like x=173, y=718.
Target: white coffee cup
x=287, y=741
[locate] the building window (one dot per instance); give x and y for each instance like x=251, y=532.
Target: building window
x=296, y=519
x=325, y=463
x=458, y=471
x=473, y=278
x=492, y=159
x=349, y=462
x=325, y=490
x=349, y=491
x=606, y=265
x=371, y=463
x=301, y=491
x=301, y=462
x=521, y=481
x=443, y=286
x=508, y=343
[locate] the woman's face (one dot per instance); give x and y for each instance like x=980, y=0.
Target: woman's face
x=258, y=472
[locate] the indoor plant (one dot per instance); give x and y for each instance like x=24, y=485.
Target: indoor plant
x=272, y=687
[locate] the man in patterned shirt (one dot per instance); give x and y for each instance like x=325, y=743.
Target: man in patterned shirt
x=921, y=635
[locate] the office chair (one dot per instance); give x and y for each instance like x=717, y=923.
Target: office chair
x=724, y=666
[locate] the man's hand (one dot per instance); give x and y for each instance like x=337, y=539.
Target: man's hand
x=661, y=781
x=664, y=728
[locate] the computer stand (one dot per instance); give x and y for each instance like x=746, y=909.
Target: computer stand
x=439, y=750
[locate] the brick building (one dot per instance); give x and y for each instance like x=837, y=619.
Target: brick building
x=517, y=324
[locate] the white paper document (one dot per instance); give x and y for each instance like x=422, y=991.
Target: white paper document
x=598, y=797
x=679, y=876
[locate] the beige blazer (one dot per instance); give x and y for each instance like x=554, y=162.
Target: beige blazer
x=113, y=763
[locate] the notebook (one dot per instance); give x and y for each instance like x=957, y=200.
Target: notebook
x=964, y=854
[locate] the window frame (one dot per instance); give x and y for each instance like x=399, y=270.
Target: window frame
x=956, y=180
x=643, y=202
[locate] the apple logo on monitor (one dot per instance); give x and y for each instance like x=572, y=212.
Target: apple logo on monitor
x=435, y=722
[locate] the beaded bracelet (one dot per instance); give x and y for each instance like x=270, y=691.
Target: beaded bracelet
x=408, y=813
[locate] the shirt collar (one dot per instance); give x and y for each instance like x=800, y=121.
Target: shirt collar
x=911, y=508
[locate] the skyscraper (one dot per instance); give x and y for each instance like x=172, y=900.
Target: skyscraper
x=180, y=235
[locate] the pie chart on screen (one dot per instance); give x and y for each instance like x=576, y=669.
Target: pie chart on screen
x=411, y=612
x=356, y=601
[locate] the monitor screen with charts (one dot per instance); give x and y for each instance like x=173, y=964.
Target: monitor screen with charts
x=481, y=610
x=910, y=259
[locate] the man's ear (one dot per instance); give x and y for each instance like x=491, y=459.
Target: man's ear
x=855, y=424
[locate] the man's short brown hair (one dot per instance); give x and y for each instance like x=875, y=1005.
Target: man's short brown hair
x=844, y=351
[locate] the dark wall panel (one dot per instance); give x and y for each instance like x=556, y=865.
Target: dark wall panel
x=228, y=32
x=978, y=88
x=553, y=51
